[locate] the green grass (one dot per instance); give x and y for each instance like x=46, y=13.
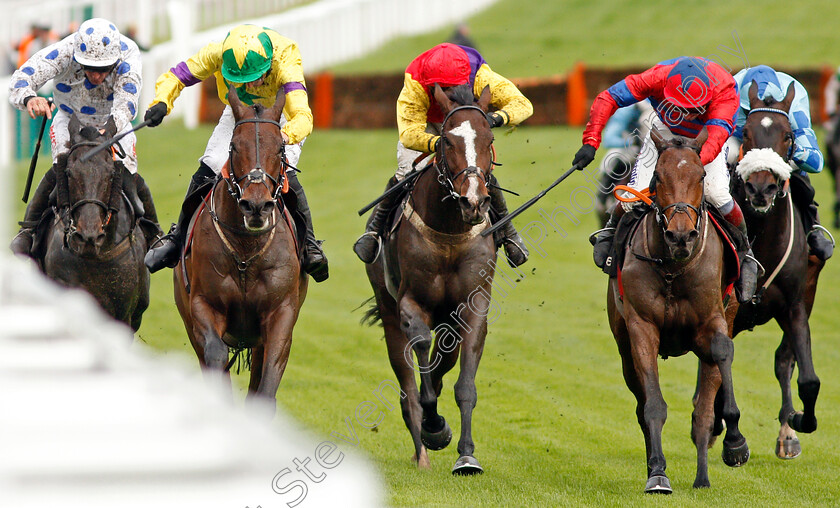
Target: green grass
x=524, y=38
x=555, y=424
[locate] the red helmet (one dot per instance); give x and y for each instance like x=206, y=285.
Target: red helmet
x=447, y=65
x=687, y=85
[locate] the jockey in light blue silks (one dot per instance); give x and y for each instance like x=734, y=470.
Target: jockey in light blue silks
x=804, y=158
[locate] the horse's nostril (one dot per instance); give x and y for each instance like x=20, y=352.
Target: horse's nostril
x=670, y=237
x=693, y=234
x=246, y=206
x=750, y=188
x=485, y=201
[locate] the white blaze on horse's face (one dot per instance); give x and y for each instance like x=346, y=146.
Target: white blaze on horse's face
x=766, y=122
x=466, y=131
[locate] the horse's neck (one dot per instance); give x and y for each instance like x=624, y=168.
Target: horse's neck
x=432, y=202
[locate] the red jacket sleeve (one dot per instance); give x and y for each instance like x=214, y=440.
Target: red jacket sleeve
x=720, y=115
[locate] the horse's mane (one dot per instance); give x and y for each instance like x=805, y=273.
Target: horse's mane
x=462, y=94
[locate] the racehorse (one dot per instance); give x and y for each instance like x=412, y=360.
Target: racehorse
x=668, y=300
x=93, y=241
x=241, y=285
x=761, y=187
x=436, y=273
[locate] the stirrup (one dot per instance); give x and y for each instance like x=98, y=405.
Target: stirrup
x=760, y=272
x=378, y=238
x=820, y=227
x=593, y=238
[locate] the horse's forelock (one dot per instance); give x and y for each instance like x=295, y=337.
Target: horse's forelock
x=89, y=133
x=461, y=94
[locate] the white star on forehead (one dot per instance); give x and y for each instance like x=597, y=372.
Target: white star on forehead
x=766, y=122
x=466, y=131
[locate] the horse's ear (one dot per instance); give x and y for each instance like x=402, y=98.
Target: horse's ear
x=442, y=99
x=75, y=127
x=658, y=139
x=698, y=142
x=789, y=96
x=279, y=104
x=484, y=98
x=755, y=102
x=110, y=127
x=235, y=104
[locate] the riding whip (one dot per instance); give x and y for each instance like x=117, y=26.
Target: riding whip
x=393, y=190
x=105, y=144
x=510, y=216
x=34, y=161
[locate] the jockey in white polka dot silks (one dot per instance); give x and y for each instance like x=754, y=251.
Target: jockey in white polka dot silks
x=258, y=62
x=96, y=73
x=689, y=94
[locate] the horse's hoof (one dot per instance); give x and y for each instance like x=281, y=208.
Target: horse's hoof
x=736, y=457
x=788, y=448
x=467, y=465
x=436, y=440
x=799, y=423
x=659, y=484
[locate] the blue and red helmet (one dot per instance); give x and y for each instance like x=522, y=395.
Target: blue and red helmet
x=688, y=85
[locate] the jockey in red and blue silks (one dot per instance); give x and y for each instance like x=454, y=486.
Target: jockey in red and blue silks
x=804, y=157
x=688, y=94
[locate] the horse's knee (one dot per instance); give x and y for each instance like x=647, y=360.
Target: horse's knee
x=465, y=393
x=722, y=349
x=655, y=410
x=215, y=354
x=809, y=389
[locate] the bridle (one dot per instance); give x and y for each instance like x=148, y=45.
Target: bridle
x=256, y=174
x=680, y=207
x=788, y=135
x=69, y=209
x=445, y=176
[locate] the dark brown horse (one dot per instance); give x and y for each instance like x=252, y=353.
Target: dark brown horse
x=94, y=241
x=789, y=285
x=241, y=286
x=440, y=272
x=672, y=284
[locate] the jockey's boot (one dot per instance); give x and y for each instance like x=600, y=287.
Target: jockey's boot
x=22, y=242
x=367, y=246
x=149, y=220
x=314, y=259
x=515, y=249
x=820, y=246
x=803, y=195
x=167, y=251
x=751, y=270
x=602, y=240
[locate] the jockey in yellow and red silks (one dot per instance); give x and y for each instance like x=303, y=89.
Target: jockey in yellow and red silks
x=258, y=62
x=419, y=118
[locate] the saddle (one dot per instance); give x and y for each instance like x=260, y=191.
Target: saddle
x=735, y=243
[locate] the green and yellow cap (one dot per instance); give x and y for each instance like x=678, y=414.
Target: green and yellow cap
x=246, y=54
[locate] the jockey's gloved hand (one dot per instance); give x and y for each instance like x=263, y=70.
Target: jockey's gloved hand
x=495, y=120
x=154, y=115
x=584, y=156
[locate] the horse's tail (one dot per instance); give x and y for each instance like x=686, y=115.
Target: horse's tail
x=372, y=317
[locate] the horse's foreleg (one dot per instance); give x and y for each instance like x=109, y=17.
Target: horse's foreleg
x=466, y=396
x=651, y=409
x=412, y=413
x=796, y=328
x=735, y=449
x=276, y=332
x=703, y=418
x=208, y=326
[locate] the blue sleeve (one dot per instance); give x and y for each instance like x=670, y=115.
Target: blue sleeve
x=806, y=153
x=620, y=122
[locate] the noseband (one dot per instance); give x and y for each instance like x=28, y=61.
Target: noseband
x=256, y=174
x=445, y=176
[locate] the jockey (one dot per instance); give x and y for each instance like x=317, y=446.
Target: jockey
x=258, y=62
x=805, y=157
x=97, y=76
x=419, y=121
x=688, y=94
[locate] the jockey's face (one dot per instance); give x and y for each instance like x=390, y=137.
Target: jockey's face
x=256, y=82
x=97, y=75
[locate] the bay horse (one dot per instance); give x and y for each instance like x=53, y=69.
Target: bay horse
x=668, y=300
x=435, y=273
x=93, y=241
x=787, y=290
x=241, y=285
